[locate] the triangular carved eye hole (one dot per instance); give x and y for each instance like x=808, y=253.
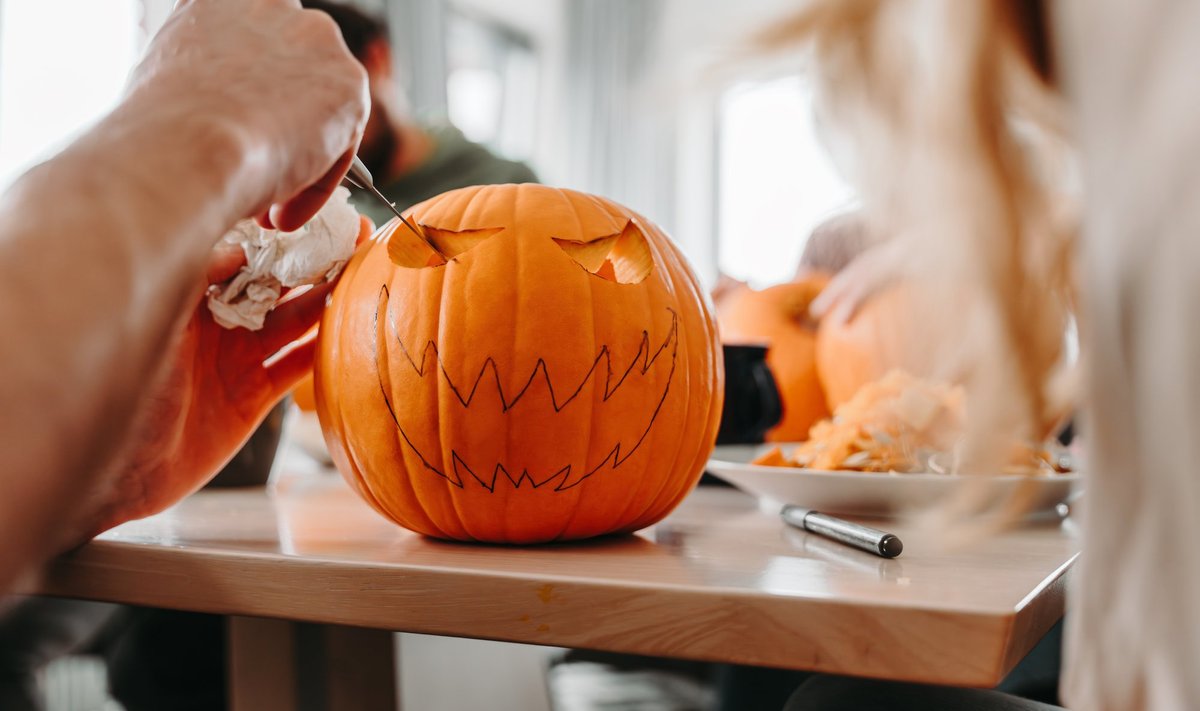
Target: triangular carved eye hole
x=624, y=258
x=450, y=244
x=439, y=246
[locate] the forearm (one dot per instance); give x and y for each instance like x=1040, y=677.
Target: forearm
x=101, y=253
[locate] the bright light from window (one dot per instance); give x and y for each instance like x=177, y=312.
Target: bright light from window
x=775, y=181
x=63, y=64
x=474, y=96
x=492, y=89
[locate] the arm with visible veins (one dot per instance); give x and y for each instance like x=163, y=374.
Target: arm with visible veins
x=103, y=252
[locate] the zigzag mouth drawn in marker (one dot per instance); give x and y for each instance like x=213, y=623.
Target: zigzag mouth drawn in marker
x=428, y=362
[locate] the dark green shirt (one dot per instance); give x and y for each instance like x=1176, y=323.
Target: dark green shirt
x=454, y=163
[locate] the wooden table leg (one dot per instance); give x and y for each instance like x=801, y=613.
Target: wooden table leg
x=360, y=669
x=283, y=665
x=262, y=664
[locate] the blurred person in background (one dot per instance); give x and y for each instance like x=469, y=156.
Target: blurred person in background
x=834, y=243
x=410, y=160
x=951, y=107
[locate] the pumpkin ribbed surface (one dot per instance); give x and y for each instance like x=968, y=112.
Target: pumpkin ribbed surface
x=879, y=338
x=540, y=364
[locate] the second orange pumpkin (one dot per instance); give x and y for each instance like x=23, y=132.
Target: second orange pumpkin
x=863, y=349
x=778, y=317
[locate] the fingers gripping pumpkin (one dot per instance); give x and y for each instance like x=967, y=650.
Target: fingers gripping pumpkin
x=538, y=365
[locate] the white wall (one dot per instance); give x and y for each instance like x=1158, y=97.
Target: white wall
x=693, y=60
x=63, y=65
x=154, y=14
x=502, y=676
x=703, y=47
x=543, y=21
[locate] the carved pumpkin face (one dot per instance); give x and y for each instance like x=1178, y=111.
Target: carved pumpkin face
x=539, y=364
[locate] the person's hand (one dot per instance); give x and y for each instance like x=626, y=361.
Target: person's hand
x=277, y=79
x=218, y=387
x=869, y=273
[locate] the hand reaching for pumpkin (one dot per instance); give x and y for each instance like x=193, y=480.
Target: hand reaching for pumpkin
x=272, y=77
x=218, y=386
x=240, y=107
x=869, y=273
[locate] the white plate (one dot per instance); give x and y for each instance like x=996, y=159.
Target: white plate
x=865, y=493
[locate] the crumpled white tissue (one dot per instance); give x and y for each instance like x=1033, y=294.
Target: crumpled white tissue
x=278, y=260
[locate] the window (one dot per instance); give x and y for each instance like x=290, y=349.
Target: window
x=491, y=86
x=63, y=64
x=774, y=180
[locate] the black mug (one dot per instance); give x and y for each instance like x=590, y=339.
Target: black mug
x=251, y=466
x=752, y=402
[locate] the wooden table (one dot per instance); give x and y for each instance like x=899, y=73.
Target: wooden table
x=718, y=580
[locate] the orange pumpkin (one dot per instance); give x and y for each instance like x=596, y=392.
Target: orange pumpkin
x=891, y=331
x=778, y=317
x=876, y=340
x=539, y=365
x=302, y=393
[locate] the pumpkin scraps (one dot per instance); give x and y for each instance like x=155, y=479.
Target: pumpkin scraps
x=901, y=424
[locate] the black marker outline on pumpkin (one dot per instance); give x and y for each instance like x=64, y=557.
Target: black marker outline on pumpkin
x=614, y=455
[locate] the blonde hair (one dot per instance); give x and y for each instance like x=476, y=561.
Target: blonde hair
x=956, y=142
